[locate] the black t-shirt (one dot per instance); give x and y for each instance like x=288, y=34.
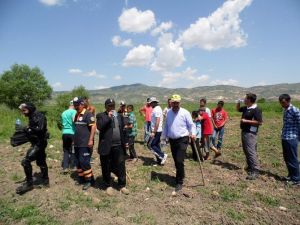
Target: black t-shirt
x=250, y=114
x=83, y=123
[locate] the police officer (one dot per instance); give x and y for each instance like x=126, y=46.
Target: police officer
x=37, y=135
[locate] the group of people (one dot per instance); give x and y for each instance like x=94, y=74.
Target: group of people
x=203, y=128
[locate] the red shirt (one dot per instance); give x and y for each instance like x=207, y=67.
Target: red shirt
x=219, y=116
x=148, y=112
x=207, y=127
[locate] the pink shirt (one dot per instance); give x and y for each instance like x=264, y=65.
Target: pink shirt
x=148, y=112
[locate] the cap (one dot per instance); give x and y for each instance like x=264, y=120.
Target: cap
x=152, y=99
x=175, y=98
x=109, y=101
x=148, y=100
x=122, y=103
x=78, y=101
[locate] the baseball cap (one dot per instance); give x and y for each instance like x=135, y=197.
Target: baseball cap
x=109, y=101
x=175, y=98
x=153, y=99
x=78, y=101
x=122, y=103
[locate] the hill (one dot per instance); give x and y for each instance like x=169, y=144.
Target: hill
x=137, y=93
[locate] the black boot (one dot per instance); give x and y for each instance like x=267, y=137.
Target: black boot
x=25, y=187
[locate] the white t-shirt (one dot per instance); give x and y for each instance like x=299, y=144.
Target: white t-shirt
x=157, y=112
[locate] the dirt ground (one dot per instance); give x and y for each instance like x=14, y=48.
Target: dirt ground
x=226, y=198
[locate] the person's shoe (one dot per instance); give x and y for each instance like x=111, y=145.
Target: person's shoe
x=288, y=178
x=178, y=188
x=206, y=157
x=293, y=182
x=134, y=160
x=109, y=191
x=45, y=182
x=163, y=161
x=252, y=176
x=79, y=182
x=124, y=191
x=217, y=154
x=86, y=186
x=25, y=187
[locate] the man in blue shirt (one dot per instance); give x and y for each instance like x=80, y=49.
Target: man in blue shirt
x=179, y=127
x=289, y=138
x=68, y=130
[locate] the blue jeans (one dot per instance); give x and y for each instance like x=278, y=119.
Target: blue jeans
x=147, y=129
x=218, y=132
x=290, y=156
x=155, y=146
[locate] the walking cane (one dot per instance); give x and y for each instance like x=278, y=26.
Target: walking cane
x=199, y=161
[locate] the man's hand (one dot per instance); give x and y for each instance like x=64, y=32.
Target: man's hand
x=193, y=137
x=152, y=134
x=91, y=143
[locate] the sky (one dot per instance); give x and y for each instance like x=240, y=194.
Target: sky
x=165, y=43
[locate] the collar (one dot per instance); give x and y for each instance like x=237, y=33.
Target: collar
x=252, y=106
x=289, y=108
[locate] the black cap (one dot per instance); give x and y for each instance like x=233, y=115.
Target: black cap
x=78, y=101
x=109, y=101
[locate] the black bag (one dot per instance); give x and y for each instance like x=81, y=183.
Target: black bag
x=19, y=137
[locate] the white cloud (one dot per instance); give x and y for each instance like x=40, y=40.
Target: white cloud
x=118, y=42
x=219, y=30
x=188, y=78
x=93, y=73
x=225, y=82
x=75, y=71
x=163, y=27
x=57, y=85
x=170, y=54
x=135, y=21
x=117, y=77
x=139, y=56
x=51, y=2
x=101, y=87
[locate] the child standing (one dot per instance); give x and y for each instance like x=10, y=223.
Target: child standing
x=132, y=132
x=207, y=131
x=197, y=122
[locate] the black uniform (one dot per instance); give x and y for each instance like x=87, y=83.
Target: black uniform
x=37, y=135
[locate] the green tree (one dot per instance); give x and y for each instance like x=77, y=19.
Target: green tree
x=23, y=84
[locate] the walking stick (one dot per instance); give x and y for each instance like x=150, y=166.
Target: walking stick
x=199, y=161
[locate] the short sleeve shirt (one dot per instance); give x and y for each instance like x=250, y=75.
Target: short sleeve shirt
x=157, y=112
x=251, y=113
x=219, y=117
x=207, y=127
x=83, y=123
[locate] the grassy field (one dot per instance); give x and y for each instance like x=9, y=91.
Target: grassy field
x=227, y=197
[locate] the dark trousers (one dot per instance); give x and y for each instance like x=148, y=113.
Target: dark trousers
x=84, y=169
x=249, y=142
x=69, y=160
x=35, y=153
x=114, y=162
x=178, y=148
x=132, y=151
x=290, y=156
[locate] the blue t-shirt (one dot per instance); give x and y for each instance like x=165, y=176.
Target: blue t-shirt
x=198, y=129
x=67, y=121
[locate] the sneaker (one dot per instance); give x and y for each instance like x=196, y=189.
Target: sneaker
x=86, y=186
x=163, y=161
x=293, y=182
x=25, y=187
x=178, y=187
x=124, y=191
x=109, y=191
x=252, y=176
x=45, y=182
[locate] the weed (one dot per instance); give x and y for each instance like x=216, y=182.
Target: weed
x=267, y=200
x=234, y=215
x=141, y=218
x=229, y=194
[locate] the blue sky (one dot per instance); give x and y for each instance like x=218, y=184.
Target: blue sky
x=105, y=43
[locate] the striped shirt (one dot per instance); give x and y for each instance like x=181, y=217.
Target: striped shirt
x=291, y=123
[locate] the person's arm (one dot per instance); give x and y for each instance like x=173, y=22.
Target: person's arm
x=92, y=134
x=191, y=126
x=39, y=129
x=142, y=111
x=257, y=119
x=103, y=121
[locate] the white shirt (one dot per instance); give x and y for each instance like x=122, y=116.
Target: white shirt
x=157, y=112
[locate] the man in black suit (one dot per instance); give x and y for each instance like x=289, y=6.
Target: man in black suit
x=111, y=141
